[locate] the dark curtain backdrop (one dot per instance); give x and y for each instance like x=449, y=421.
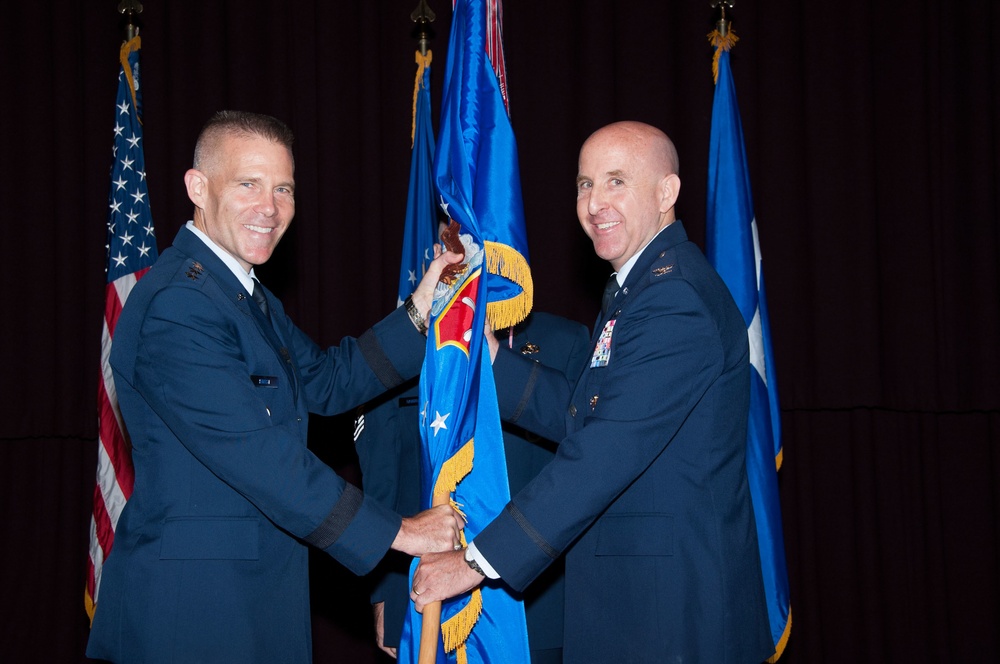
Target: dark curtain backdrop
x=872, y=132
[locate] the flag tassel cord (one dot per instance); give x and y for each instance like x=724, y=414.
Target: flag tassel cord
x=423, y=16
x=722, y=37
x=130, y=9
x=423, y=61
x=127, y=49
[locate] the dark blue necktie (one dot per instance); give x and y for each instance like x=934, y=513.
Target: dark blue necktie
x=261, y=299
x=610, y=290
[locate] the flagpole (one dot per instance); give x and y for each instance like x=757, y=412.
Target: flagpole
x=722, y=25
x=464, y=461
x=423, y=17
x=126, y=262
x=733, y=248
x=430, y=625
x=130, y=9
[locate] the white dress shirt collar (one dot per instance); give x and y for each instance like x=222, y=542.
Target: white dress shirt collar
x=245, y=278
x=630, y=263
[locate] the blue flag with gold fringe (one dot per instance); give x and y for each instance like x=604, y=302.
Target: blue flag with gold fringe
x=476, y=174
x=733, y=248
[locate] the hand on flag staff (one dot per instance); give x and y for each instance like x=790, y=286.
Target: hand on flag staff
x=440, y=576
x=446, y=262
x=436, y=529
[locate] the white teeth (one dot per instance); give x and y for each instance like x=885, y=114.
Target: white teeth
x=606, y=226
x=258, y=229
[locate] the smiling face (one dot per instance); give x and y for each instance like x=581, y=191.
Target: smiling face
x=626, y=188
x=244, y=196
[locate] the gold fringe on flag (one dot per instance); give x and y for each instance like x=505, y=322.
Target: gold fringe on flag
x=423, y=61
x=454, y=470
x=128, y=47
x=455, y=631
x=507, y=262
x=721, y=42
x=783, y=641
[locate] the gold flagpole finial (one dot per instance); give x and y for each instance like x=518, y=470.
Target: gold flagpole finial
x=423, y=17
x=722, y=25
x=130, y=9
x=722, y=38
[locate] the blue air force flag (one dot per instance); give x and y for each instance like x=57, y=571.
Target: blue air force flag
x=476, y=173
x=732, y=246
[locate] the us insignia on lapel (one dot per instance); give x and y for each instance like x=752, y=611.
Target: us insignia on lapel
x=602, y=351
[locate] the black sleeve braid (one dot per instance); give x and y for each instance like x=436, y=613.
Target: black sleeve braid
x=379, y=362
x=338, y=519
x=529, y=387
x=530, y=531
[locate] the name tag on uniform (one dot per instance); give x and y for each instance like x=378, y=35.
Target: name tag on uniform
x=602, y=351
x=264, y=381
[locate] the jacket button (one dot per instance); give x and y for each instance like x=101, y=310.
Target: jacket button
x=593, y=402
x=572, y=410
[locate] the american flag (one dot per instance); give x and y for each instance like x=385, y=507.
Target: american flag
x=494, y=45
x=131, y=251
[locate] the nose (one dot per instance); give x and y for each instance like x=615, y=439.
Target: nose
x=595, y=202
x=265, y=205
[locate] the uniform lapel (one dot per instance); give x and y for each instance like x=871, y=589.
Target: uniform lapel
x=188, y=243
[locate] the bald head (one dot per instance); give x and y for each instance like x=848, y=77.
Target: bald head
x=627, y=186
x=642, y=141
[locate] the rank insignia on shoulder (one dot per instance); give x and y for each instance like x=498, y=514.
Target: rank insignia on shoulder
x=660, y=271
x=194, y=271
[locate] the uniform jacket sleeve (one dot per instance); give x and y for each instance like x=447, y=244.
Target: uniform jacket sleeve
x=666, y=353
x=215, y=381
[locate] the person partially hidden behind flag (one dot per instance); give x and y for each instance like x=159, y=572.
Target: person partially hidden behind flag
x=216, y=384
x=387, y=436
x=648, y=492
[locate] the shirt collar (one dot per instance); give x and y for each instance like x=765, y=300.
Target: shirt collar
x=245, y=278
x=630, y=263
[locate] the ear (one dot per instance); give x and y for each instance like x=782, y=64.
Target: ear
x=670, y=189
x=196, y=183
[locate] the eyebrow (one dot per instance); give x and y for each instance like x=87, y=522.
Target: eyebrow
x=257, y=179
x=617, y=173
